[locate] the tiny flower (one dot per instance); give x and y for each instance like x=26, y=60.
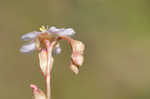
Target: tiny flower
x=36, y=38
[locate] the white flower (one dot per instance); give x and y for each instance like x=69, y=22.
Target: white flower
x=49, y=33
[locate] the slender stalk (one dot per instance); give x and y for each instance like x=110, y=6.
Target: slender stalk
x=49, y=68
x=48, y=79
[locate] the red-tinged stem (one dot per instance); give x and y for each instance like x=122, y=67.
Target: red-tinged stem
x=48, y=86
x=49, y=67
x=48, y=78
x=66, y=38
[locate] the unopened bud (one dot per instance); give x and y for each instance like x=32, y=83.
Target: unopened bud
x=74, y=68
x=77, y=59
x=56, y=50
x=37, y=93
x=43, y=58
x=77, y=46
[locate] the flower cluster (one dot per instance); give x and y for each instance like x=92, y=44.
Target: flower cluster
x=47, y=43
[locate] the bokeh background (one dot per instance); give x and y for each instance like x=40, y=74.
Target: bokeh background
x=117, y=56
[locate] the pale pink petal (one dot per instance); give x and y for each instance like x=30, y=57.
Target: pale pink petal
x=28, y=48
x=30, y=35
x=61, y=31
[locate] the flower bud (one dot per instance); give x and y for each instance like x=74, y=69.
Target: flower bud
x=77, y=46
x=74, y=68
x=43, y=58
x=77, y=59
x=37, y=93
x=56, y=50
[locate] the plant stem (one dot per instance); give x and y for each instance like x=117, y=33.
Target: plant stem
x=48, y=79
x=49, y=68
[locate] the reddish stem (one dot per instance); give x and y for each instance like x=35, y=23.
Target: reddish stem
x=49, y=67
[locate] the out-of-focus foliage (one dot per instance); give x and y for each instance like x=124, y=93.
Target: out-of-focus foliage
x=117, y=38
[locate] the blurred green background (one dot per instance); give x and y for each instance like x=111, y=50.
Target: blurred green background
x=117, y=57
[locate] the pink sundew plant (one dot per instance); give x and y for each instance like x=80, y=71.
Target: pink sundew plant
x=46, y=42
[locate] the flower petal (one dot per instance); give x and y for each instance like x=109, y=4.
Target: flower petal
x=61, y=31
x=30, y=35
x=28, y=48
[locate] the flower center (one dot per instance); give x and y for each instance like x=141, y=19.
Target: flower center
x=43, y=28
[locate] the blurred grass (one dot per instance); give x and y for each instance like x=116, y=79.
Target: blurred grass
x=116, y=34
